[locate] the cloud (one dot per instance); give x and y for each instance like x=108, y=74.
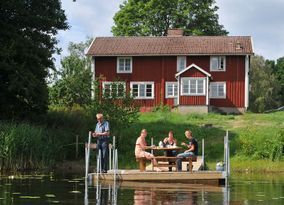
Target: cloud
x=261, y=19
x=86, y=18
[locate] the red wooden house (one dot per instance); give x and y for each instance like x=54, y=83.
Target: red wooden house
x=191, y=73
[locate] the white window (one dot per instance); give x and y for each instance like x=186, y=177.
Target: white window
x=193, y=86
x=124, y=65
x=171, y=89
x=218, y=63
x=114, y=89
x=181, y=63
x=218, y=90
x=142, y=90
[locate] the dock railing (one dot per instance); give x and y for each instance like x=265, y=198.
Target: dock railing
x=227, y=156
x=113, y=158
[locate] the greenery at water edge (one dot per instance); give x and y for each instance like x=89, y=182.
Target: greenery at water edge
x=34, y=145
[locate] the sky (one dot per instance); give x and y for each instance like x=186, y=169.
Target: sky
x=261, y=19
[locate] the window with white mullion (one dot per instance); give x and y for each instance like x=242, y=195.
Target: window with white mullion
x=218, y=63
x=114, y=89
x=171, y=89
x=181, y=63
x=218, y=90
x=200, y=86
x=124, y=65
x=193, y=86
x=142, y=90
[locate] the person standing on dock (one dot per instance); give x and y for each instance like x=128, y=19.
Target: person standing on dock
x=192, y=149
x=102, y=134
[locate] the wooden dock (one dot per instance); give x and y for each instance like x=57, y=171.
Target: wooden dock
x=199, y=177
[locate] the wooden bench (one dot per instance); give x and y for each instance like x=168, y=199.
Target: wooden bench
x=172, y=161
x=142, y=163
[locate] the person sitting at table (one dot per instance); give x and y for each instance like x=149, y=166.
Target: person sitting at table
x=192, y=149
x=140, y=147
x=170, y=141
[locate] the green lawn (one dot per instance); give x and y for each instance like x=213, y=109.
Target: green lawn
x=256, y=140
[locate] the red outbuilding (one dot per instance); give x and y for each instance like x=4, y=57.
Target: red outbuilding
x=189, y=73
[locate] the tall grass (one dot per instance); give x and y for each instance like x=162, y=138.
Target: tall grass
x=45, y=141
x=25, y=146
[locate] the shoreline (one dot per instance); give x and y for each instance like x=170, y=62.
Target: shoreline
x=238, y=166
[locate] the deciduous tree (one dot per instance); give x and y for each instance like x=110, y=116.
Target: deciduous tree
x=155, y=17
x=279, y=70
x=265, y=88
x=74, y=78
x=28, y=31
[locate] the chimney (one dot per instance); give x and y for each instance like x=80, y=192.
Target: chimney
x=239, y=46
x=175, y=32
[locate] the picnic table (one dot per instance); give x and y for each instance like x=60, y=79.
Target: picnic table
x=161, y=159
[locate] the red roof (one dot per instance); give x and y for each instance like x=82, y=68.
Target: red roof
x=183, y=45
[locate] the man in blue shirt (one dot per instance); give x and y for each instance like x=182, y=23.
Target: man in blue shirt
x=102, y=135
x=192, y=149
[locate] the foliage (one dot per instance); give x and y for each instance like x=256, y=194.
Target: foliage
x=261, y=147
x=265, y=88
x=155, y=17
x=28, y=40
x=24, y=146
x=279, y=70
x=75, y=78
x=252, y=136
x=118, y=107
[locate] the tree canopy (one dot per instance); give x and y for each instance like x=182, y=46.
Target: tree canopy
x=265, y=89
x=155, y=17
x=73, y=86
x=279, y=69
x=28, y=41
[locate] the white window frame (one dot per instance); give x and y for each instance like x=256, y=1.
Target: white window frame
x=219, y=69
x=193, y=94
x=172, y=84
x=111, y=83
x=218, y=84
x=123, y=71
x=143, y=83
x=179, y=58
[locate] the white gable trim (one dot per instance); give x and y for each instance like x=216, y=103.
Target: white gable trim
x=193, y=66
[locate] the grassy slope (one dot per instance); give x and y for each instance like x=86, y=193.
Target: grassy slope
x=159, y=123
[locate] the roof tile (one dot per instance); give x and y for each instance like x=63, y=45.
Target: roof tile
x=184, y=45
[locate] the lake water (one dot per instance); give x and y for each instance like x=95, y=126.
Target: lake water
x=52, y=189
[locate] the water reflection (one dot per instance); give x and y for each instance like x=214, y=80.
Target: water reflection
x=143, y=193
x=52, y=189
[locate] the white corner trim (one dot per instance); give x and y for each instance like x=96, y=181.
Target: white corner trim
x=207, y=90
x=93, y=72
x=193, y=66
x=178, y=79
x=246, y=81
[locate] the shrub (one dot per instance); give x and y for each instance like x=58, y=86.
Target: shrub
x=260, y=146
